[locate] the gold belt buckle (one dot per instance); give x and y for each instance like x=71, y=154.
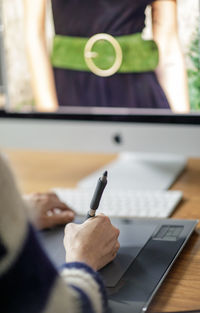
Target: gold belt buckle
x=89, y=55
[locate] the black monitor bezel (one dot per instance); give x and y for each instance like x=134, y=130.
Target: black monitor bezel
x=181, y=119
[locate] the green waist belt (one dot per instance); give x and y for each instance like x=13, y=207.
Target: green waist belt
x=104, y=54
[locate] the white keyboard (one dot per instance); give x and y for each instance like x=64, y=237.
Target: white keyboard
x=123, y=203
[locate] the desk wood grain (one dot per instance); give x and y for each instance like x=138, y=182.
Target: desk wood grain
x=41, y=171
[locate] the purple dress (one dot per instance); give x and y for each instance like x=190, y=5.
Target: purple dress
x=116, y=17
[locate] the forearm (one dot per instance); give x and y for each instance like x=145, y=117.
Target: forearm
x=41, y=74
x=33, y=284
x=27, y=276
x=171, y=71
x=172, y=77
x=86, y=287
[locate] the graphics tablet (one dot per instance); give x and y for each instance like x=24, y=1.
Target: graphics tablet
x=148, y=249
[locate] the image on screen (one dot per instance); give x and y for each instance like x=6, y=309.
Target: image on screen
x=142, y=57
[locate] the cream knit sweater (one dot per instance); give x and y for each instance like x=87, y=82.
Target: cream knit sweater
x=28, y=280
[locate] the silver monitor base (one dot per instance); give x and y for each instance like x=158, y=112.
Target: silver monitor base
x=139, y=172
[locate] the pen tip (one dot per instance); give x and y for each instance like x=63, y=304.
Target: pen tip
x=105, y=173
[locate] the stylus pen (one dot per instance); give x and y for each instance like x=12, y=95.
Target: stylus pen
x=101, y=184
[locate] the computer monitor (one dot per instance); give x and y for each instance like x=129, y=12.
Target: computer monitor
x=2, y=69
x=107, y=129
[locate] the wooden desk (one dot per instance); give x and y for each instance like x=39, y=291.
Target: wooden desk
x=40, y=171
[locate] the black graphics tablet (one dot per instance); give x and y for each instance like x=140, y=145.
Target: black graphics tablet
x=148, y=249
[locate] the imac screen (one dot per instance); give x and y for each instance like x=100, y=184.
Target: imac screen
x=103, y=59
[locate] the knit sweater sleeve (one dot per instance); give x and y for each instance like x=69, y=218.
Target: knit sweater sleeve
x=29, y=283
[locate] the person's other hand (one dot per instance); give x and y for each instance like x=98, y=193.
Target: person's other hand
x=95, y=242
x=47, y=210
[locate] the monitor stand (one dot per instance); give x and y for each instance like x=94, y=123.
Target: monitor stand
x=137, y=171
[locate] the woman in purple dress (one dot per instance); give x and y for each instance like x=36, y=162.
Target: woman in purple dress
x=163, y=87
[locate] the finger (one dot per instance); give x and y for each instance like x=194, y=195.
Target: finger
x=115, y=250
x=113, y=255
x=69, y=226
x=58, y=211
x=103, y=218
x=117, y=231
x=62, y=218
x=89, y=220
x=100, y=214
x=99, y=220
x=117, y=246
x=56, y=203
x=110, y=241
x=114, y=244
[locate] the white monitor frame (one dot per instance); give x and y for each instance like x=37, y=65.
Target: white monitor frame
x=44, y=133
